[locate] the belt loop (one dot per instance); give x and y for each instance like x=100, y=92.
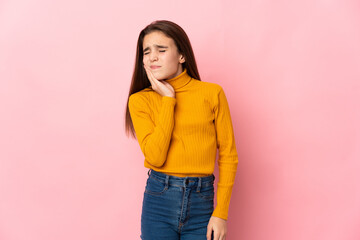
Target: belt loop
x=149, y=172
x=184, y=182
x=199, y=185
x=167, y=182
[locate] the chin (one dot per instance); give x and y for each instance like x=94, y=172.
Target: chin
x=159, y=76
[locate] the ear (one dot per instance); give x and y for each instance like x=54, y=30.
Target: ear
x=182, y=59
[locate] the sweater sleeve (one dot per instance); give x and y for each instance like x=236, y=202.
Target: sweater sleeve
x=153, y=137
x=228, y=158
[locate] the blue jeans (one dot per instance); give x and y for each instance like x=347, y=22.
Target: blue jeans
x=176, y=208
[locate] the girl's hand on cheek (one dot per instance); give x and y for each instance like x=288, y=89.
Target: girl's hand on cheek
x=161, y=87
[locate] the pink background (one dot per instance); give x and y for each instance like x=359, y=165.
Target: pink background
x=291, y=74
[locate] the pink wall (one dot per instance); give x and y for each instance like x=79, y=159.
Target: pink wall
x=290, y=71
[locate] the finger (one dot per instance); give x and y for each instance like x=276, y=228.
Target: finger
x=208, y=233
x=216, y=235
x=224, y=236
x=154, y=82
x=150, y=74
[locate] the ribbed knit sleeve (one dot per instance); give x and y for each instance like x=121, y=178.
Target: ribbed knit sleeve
x=153, y=137
x=228, y=158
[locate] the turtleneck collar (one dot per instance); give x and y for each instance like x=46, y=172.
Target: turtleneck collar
x=180, y=80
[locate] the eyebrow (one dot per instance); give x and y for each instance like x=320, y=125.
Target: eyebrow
x=158, y=46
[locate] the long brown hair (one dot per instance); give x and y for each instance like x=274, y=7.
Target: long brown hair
x=139, y=78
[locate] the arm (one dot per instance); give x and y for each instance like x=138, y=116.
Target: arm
x=228, y=158
x=153, y=137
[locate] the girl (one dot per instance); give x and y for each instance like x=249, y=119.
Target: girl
x=179, y=122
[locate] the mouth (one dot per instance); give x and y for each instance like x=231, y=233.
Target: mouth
x=154, y=67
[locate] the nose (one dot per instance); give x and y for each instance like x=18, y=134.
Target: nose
x=153, y=56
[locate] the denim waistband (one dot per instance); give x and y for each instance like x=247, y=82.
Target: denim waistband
x=181, y=181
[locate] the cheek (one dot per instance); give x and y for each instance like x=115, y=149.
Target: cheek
x=170, y=59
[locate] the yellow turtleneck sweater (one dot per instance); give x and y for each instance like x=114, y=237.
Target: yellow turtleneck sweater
x=180, y=136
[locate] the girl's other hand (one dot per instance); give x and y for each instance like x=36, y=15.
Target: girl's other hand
x=217, y=227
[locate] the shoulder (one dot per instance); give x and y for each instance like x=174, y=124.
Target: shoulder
x=140, y=98
x=212, y=88
x=142, y=94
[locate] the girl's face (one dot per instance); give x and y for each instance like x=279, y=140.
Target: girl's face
x=162, y=56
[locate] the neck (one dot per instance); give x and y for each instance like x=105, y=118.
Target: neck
x=180, y=80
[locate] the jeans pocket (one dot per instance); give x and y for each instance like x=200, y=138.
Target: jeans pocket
x=155, y=186
x=207, y=191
